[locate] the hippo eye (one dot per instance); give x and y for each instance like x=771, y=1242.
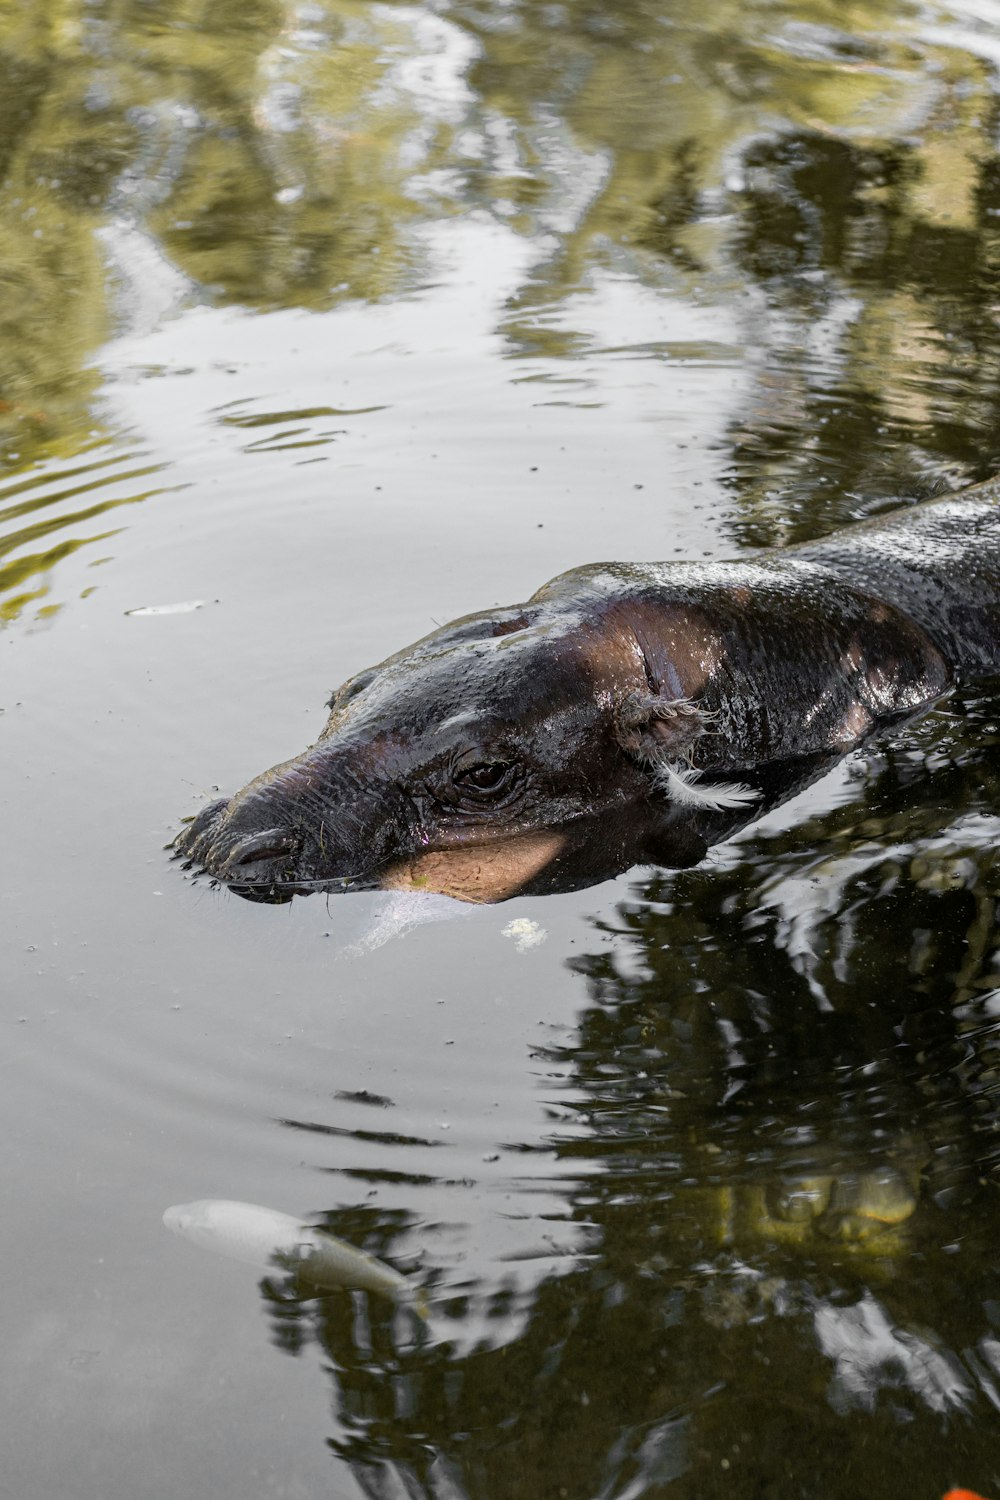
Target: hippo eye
x=486, y=776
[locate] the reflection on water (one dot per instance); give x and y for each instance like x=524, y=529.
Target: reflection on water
x=56, y=497
x=753, y=1243
x=834, y=182
x=777, y=1148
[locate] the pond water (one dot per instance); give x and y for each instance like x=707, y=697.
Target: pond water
x=326, y=322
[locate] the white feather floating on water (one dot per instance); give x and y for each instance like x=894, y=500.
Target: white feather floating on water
x=184, y=607
x=682, y=785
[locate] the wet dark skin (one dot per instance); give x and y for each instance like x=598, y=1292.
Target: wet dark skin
x=532, y=748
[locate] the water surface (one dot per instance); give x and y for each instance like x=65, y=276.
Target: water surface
x=324, y=323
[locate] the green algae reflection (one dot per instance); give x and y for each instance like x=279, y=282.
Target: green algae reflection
x=774, y=1130
x=829, y=176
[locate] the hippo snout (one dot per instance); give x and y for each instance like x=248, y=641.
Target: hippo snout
x=194, y=839
x=262, y=865
x=291, y=831
x=231, y=842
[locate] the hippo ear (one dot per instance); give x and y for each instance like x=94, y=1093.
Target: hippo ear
x=654, y=729
x=662, y=732
x=509, y=621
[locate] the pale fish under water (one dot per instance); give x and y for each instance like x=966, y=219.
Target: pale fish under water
x=276, y=1241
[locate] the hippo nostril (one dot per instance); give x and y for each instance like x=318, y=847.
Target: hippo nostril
x=273, y=843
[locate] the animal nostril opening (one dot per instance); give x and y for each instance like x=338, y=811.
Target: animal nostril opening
x=272, y=844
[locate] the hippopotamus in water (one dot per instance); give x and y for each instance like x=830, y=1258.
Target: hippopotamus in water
x=624, y=714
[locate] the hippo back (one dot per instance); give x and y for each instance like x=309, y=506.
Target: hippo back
x=939, y=562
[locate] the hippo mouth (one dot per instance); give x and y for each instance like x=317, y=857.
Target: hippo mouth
x=261, y=867
x=273, y=846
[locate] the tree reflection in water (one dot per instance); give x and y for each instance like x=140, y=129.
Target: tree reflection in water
x=779, y=1127
x=828, y=181
x=780, y=1147
x=867, y=330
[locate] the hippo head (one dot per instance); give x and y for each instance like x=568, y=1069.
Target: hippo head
x=466, y=764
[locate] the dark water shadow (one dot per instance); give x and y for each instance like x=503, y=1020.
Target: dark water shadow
x=778, y=1145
